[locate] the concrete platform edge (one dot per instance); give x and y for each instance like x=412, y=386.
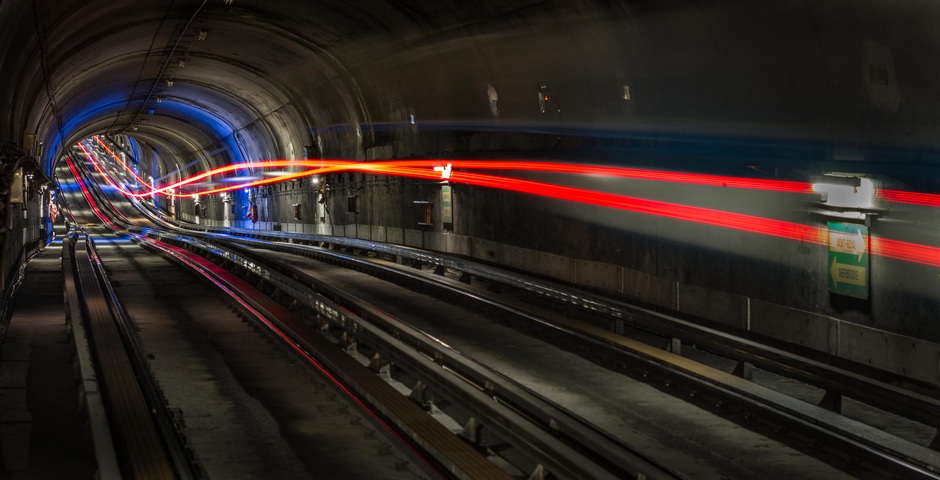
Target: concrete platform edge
x=91, y=396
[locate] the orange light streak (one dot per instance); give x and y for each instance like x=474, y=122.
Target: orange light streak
x=622, y=172
x=786, y=186
x=204, y=268
x=618, y=172
x=423, y=169
x=737, y=221
x=121, y=161
x=910, y=252
x=313, y=165
x=97, y=166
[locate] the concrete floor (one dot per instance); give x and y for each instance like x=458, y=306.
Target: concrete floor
x=238, y=393
x=43, y=432
x=249, y=411
x=681, y=435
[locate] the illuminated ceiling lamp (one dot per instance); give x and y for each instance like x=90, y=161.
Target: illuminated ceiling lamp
x=845, y=194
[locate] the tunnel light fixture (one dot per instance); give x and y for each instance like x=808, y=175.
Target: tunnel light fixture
x=445, y=171
x=847, y=192
x=202, y=35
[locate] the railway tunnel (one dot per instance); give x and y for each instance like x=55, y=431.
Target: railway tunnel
x=768, y=171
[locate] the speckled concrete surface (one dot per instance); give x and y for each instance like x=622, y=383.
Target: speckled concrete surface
x=250, y=412
x=42, y=429
x=686, y=437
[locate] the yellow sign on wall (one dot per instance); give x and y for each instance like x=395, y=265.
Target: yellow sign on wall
x=848, y=259
x=447, y=209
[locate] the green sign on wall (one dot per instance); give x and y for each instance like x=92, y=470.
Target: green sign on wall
x=848, y=259
x=447, y=210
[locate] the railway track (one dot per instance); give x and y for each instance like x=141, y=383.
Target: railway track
x=146, y=442
x=246, y=409
x=514, y=425
x=550, y=438
x=807, y=426
x=209, y=390
x=461, y=452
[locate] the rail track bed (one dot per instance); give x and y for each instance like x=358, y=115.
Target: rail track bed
x=666, y=419
x=687, y=439
x=455, y=363
x=246, y=409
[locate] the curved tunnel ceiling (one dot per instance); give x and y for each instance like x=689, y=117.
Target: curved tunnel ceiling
x=832, y=84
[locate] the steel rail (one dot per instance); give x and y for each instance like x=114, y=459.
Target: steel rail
x=380, y=400
x=575, y=459
x=184, y=464
x=141, y=453
x=865, y=442
x=89, y=389
x=837, y=382
x=885, y=451
x=583, y=437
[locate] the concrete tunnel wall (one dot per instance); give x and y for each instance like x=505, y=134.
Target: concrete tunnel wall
x=717, y=69
x=725, y=277
x=726, y=87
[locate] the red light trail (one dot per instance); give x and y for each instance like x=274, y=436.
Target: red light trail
x=912, y=198
x=88, y=198
x=910, y=252
x=737, y=221
x=568, y=168
x=204, y=268
x=97, y=166
x=423, y=169
x=121, y=161
x=619, y=172
x=318, y=167
x=232, y=286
